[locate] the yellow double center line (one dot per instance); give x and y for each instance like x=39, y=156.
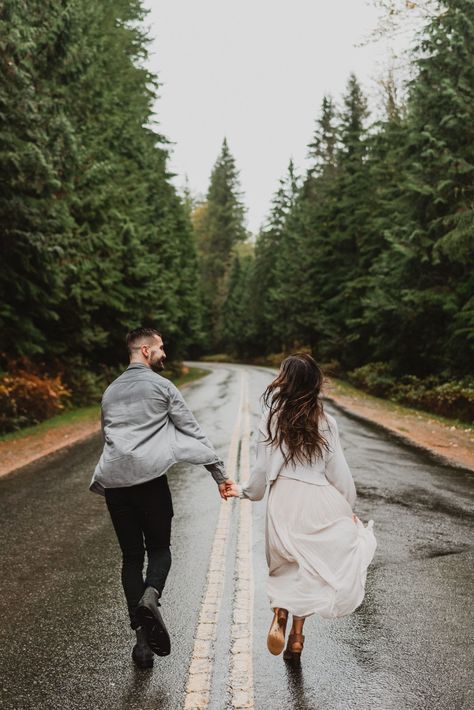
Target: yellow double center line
x=241, y=666
x=198, y=685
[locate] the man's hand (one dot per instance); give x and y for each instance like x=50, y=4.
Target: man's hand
x=225, y=488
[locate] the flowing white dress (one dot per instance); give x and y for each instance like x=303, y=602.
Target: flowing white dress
x=317, y=555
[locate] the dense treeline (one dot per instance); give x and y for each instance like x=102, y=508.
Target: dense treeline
x=94, y=239
x=368, y=257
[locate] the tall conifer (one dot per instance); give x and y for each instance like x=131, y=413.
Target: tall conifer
x=221, y=227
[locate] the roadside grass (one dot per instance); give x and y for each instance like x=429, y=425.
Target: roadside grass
x=71, y=416
x=344, y=388
x=90, y=413
x=219, y=357
x=190, y=374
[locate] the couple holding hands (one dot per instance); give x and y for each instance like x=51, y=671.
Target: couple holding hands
x=317, y=550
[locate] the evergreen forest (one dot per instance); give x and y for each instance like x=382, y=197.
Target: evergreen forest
x=366, y=259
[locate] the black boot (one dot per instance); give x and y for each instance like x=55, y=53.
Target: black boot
x=148, y=615
x=142, y=654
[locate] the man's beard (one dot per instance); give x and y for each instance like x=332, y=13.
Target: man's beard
x=158, y=366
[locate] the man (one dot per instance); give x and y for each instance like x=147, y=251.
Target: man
x=147, y=427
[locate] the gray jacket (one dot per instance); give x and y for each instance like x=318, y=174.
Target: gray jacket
x=147, y=427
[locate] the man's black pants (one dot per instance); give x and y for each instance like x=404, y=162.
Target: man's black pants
x=141, y=516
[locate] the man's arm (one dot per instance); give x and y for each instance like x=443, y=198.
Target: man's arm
x=185, y=421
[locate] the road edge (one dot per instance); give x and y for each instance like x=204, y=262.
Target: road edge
x=434, y=456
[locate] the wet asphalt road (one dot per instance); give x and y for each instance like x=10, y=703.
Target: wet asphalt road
x=65, y=642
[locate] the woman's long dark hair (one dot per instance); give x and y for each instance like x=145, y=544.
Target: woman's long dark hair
x=295, y=407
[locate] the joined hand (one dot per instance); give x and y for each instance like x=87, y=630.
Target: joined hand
x=228, y=489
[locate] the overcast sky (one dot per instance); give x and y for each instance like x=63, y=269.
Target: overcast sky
x=254, y=71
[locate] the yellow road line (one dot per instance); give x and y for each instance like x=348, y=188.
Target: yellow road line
x=241, y=666
x=200, y=671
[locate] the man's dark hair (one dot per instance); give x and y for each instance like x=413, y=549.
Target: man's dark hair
x=137, y=334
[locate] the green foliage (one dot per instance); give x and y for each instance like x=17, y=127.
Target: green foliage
x=375, y=377
x=85, y=382
x=94, y=238
x=236, y=329
x=449, y=399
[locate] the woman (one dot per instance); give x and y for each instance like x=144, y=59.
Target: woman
x=317, y=550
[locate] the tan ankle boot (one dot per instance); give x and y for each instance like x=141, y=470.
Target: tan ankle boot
x=294, y=648
x=276, y=634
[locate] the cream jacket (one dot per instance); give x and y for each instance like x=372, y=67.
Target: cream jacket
x=331, y=469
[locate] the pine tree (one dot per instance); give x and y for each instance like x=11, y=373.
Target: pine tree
x=332, y=230
x=322, y=149
x=350, y=205
x=425, y=322
x=221, y=227
x=271, y=308
x=385, y=228
x=237, y=326
x=318, y=206
x=441, y=180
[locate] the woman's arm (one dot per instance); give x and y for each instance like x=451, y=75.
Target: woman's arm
x=254, y=488
x=337, y=470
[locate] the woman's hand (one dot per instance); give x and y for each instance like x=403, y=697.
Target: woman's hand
x=227, y=488
x=354, y=518
x=232, y=491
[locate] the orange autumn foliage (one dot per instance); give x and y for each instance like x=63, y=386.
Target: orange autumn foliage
x=27, y=398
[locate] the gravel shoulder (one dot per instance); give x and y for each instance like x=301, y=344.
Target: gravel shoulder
x=15, y=453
